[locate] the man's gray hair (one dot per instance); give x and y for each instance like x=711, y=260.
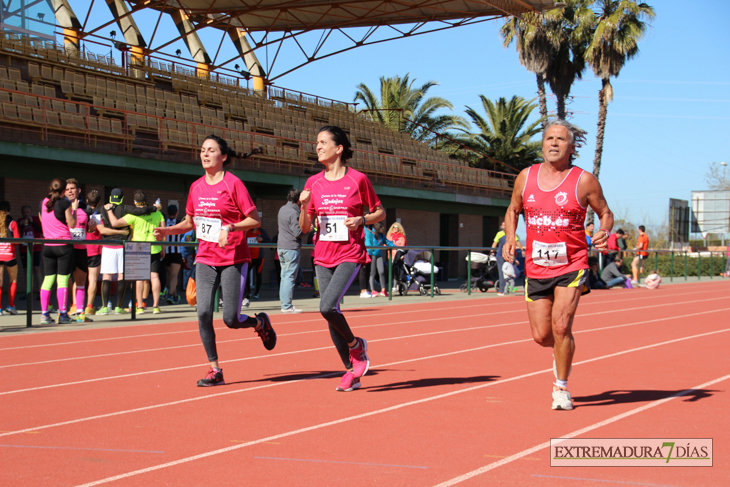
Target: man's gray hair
x=577, y=134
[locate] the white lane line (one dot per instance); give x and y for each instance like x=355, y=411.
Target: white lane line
x=642, y=298
x=266, y=386
x=324, y=330
x=440, y=332
x=541, y=446
x=422, y=401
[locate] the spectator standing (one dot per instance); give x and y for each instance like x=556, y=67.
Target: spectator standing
x=727, y=262
x=509, y=273
x=589, y=235
x=143, y=231
x=8, y=229
x=112, y=256
x=254, y=236
x=612, y=245
x=93, y=252
x=288, y=247
x=498, y=242
x=58, y=216
x=374, y=237
x=188, y=255
x=81, y=259
x=642, y=244
x=30, y=227
x=612, y=275
x=173, y=259
x=397, y=235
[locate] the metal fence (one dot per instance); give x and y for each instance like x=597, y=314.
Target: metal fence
x=668, y=263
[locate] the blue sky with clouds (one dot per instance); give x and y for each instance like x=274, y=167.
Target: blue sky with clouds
x=669, y=119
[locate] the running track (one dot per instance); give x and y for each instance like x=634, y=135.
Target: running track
x=458, y=394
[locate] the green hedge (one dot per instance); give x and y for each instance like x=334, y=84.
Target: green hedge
x=663, y=264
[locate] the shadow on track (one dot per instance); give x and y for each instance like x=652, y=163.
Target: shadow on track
x=627, y=397
x=324, y=374
x=432, y=382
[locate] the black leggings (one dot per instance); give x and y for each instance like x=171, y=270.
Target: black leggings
x=233, y=280
x=333, y=284
x=58, y=260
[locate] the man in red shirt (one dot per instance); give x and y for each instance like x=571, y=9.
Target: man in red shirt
x=554, y=196
x=638, y=263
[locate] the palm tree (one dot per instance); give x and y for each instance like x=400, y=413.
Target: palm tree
x=504, y=135
x=551, y=45
x=534, y=47
x=400, y=103
x=619, y=26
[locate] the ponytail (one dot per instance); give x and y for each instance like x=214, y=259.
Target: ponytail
x=56, y=189
x=4, y=217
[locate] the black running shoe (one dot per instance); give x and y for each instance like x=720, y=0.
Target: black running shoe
x=214, y=377
x=266, y=332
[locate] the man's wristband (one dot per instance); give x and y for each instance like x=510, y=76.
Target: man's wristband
x=363, y=221
x=604, y=230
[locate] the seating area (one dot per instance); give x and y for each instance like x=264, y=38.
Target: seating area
x=165, y=109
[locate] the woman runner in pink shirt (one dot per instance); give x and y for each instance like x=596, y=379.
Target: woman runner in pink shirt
x=221, y=210
x=58, y=216
x=338, y=197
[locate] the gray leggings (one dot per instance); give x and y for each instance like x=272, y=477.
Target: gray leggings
x=233, y=280
x=333, y=284
x=376, y=263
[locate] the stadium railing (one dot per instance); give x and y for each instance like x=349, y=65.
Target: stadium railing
x=677, y=261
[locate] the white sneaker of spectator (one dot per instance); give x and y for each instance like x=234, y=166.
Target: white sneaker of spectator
x=365, y=294
x=291, y=310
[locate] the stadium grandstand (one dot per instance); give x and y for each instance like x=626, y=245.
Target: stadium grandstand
x=69, y=109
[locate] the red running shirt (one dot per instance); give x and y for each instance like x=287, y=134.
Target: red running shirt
x=331, y=203
x=229, y=202
x=7, y=250
x=556, y=239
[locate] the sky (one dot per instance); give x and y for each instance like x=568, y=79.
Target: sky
x=667, y=123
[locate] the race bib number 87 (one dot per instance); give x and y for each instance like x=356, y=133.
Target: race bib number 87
x=332, y=228
x=207, y=229
x=549, y=254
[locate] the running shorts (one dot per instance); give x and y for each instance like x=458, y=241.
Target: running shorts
x=81, y=260
x=9, y=263
x=112, y=260
x=95, y=260
x=156, y=263
x=542, y=288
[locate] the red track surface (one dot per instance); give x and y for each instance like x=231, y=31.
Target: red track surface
x=457, y=393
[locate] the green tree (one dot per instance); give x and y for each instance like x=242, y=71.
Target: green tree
x=504, y=135
x=619, y=25
x=400, y=102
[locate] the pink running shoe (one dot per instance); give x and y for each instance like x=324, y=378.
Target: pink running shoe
x=359, y=358
x=348, y=383
x=374, y=294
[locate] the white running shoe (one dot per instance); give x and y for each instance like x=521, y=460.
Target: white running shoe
x=562, y=400
x=245, y=303
x=365, y=295
x=291, y=310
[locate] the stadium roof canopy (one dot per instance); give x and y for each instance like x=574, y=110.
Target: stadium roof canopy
x=290, y=15
x=335, y=25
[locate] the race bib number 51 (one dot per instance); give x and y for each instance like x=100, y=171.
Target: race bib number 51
x=207, y=229
x=549, y=254
x=332, y=228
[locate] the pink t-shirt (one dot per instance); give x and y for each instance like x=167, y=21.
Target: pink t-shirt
x=348, y=196
x=79, y=231
x=92, y=250
x=7, y=250
x=53, y=228
x=229, y=202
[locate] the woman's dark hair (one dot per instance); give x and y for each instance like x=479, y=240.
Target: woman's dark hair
x=225, y=150
x=293, y=195
x=340, y=138
x=93, y=198
x=378, y=226
x=55, y=192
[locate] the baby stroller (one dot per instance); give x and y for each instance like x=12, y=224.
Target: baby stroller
x=484, y=272
x=416, y=273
